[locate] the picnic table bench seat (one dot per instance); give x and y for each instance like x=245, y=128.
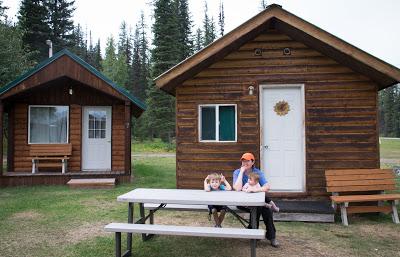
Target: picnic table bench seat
x=362, y=185
x=49, y=155
x=119, y=228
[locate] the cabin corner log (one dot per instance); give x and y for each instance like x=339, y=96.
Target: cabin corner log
x=1, y=137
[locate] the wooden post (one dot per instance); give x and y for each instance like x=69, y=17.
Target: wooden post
x=127, y=123
x=1, y=137
x=11, y=141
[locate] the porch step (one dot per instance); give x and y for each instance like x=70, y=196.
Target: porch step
x=92, y=183
x=310, y=211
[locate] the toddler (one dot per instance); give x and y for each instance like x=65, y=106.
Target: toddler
x=253, y=184
x=216, y=182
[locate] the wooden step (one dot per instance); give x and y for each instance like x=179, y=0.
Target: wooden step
x=92, y=183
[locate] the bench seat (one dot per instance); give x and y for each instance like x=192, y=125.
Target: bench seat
x=360, y=186
x=150, y=229
x=50, y=155
x=186, y=230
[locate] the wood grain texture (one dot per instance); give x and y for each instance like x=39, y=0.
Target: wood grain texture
x=340, y=115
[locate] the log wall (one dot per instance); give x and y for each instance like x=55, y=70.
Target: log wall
x=341, y=111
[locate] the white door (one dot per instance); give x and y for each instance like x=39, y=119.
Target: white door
x=282, y=142
x=96, y=138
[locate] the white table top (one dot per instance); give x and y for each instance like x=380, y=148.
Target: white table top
x=189, y=196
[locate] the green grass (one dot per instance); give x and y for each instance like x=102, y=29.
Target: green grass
x=155, y=146
x=390, y=148
x=57, y=221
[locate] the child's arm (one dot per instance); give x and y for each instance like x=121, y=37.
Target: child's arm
x=245, y=188
x=207, y=186
x=227, y=185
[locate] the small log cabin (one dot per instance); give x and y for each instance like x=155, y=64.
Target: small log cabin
x=66, y=102
x=299, y=98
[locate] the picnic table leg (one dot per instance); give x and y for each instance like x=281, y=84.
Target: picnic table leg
x=253, y=220
x=142, y=217
x=117, y=244
x=129, y=235
x=343, y=212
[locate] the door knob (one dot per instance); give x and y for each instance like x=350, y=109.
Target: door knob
x=266, y=147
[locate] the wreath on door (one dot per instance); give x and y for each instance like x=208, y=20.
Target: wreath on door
x=282, y=108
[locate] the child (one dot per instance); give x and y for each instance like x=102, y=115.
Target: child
x=253, y=184
x=213, y=182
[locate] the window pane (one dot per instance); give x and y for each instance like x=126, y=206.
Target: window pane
x=103, y=133
x=208, y=123
x=91, y=133
x=48, y=124
x=227, y=123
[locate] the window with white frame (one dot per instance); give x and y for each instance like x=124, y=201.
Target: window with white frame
x=48, y=124
x=217, y=123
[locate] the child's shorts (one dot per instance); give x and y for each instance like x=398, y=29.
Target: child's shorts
x=217, y=207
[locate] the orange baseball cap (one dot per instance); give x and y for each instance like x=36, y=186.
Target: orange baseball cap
x=248, y=157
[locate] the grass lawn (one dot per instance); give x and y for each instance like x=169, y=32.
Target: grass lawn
x=56, y=221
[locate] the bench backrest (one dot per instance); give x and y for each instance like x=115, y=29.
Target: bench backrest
x=359, y=180
x=50, y=150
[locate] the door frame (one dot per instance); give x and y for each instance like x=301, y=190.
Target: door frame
x=303, y=132
x=82, y=134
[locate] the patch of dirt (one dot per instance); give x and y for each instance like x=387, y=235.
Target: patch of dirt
x=26, y=215
x=85, y=231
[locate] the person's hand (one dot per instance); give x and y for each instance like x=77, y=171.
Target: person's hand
x=207, y=178
x=242, y=169
x=222, y=178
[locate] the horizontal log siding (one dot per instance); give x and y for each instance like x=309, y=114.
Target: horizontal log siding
x=118, y=138
x=341, y=111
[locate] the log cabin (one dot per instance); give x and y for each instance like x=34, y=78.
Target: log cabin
x=65, y=120
x=297, y=97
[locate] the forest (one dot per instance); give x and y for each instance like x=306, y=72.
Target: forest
x=135, y=58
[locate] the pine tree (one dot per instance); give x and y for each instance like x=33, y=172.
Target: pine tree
x=79, y=43
x=221, y=19
x=110, y=59
x=263, y=5
x=60, y=22
x=389, y=109
x=97, y=59
x=161, y=106
x=198, y=45
x=185, y=27
x=124, y=43
x=33, y=22
x=14, y=58
x=208, y=28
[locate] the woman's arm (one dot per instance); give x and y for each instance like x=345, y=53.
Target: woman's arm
x=238, y=184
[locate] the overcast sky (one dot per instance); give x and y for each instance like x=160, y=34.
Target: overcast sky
x=373, y=26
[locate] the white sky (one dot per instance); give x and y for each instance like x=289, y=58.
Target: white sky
x=373, y=26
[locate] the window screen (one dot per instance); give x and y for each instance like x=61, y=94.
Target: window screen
x=218, y=123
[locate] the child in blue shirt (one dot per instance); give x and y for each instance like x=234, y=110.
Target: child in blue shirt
x=217, y=182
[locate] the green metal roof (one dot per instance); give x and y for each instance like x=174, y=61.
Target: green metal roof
x=90, y=68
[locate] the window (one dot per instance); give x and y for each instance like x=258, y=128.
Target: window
x=48, y=124
x=217, y=123
x=97, y=124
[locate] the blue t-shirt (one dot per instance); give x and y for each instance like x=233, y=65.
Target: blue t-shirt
x=221, y=187
x=245, y=179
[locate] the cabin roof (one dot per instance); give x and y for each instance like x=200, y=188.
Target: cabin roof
x=384, y=74
x=137, y=103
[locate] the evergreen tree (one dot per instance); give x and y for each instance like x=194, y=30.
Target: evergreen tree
x=185, y=27
x=97, y=59
x=165, y=54
x=32, y=20
x=137, y=88
x=263, y=5
x=79, y=43
x=221, y=19
x=14, y=58
x=124, y=43
x=60, y=22
x=114, y=66
x=208, y=28
x=198, y=40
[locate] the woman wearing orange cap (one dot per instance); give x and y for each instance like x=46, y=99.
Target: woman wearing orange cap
x=240, y=178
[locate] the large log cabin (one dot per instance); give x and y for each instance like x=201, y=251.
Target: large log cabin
x=66, y=102
x=299, y=98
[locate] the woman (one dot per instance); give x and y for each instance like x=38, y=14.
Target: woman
x=240, y=178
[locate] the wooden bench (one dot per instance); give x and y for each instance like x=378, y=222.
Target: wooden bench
x=242, y=233
x=49, y=155
x=362, y=185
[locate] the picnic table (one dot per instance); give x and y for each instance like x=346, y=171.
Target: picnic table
x=192, y=197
